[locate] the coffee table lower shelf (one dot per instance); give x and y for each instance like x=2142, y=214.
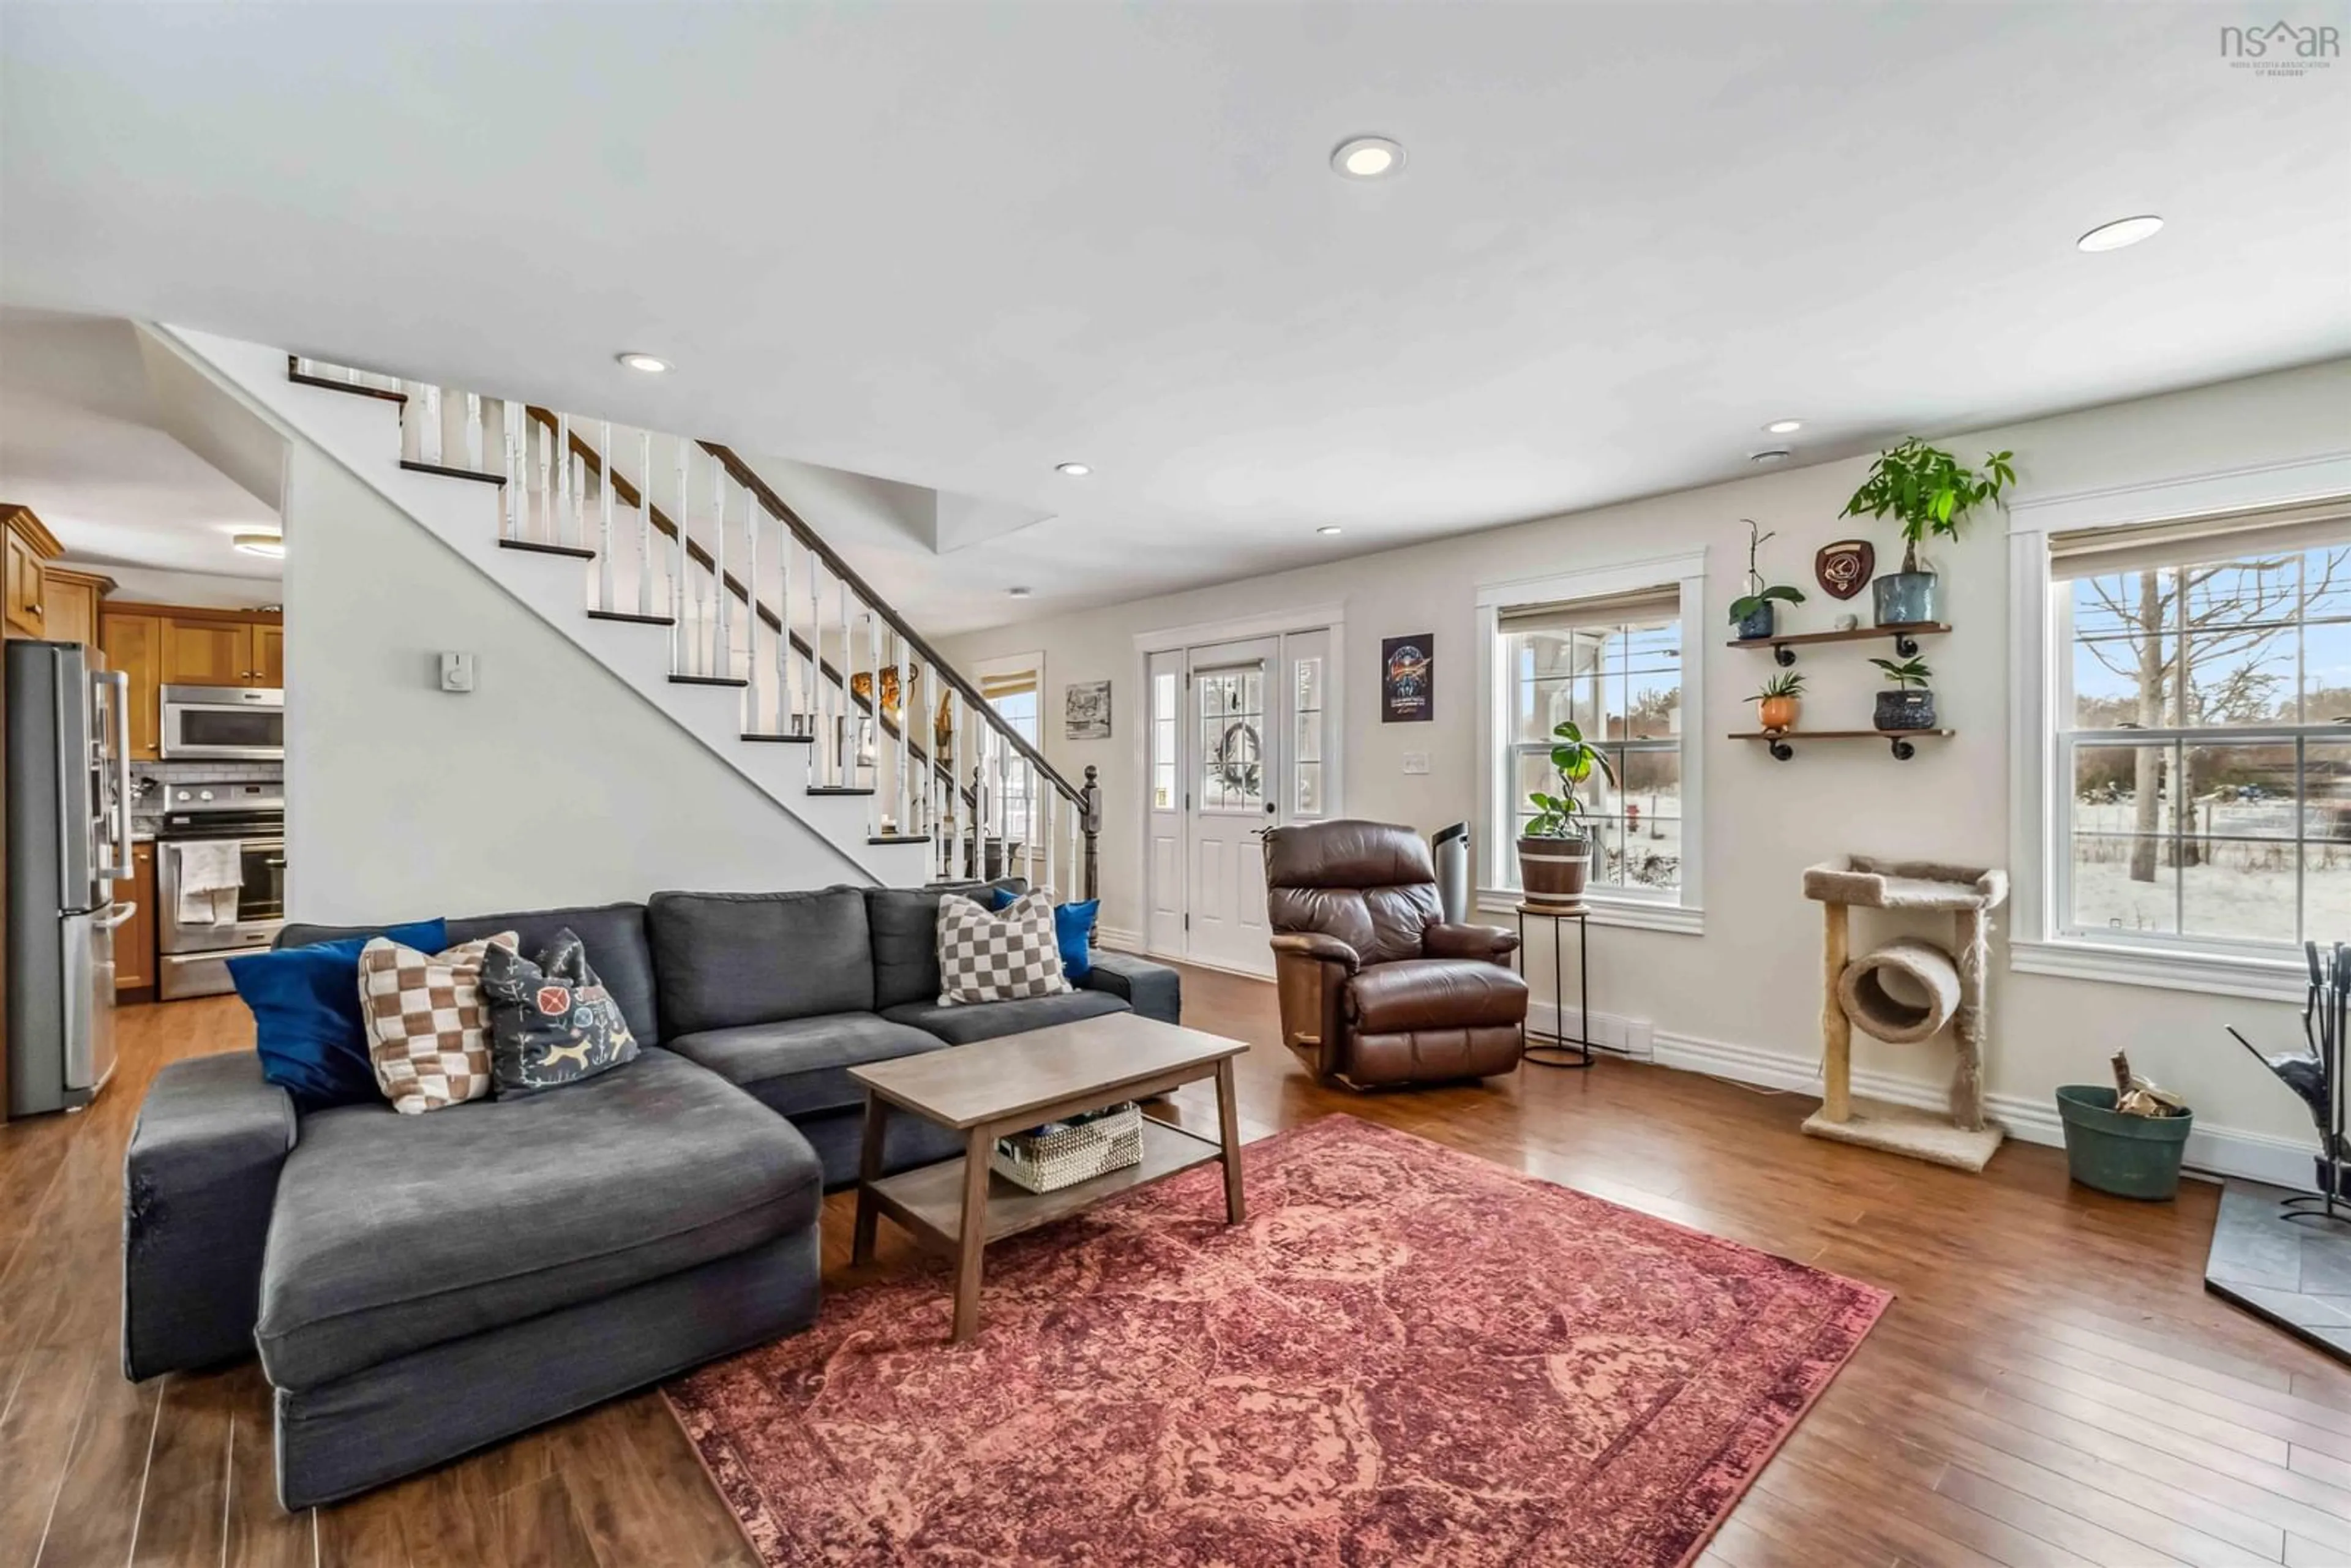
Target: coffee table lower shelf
x=928, y=1202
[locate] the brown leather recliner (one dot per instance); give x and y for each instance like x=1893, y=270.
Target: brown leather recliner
x=1375, y=987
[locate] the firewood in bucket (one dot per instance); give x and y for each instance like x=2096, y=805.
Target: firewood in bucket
x=2135, y=1096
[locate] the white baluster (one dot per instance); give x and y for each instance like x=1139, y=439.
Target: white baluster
x=473, y=433
x=429, y=437
x=511, y=500
x=546, y=482
x=873, y=663
x=722, y=636
x=848, y=689
x=1004, y=802
x=679, y=631
x=787, y=710
x=820, y=690
x=1052, y=800
x=751, y=604
x=645, y=522
x=905, y=793
x=604, y=536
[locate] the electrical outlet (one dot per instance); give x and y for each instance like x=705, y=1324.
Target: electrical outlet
x=1415, y=762
x=456, y=672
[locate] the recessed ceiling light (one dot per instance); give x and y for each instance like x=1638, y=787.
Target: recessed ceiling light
x=2120, y=233
x=648, y=363
x=1770, y=455
x=1327, y=530
x=1367, y=158
x=270, y=545
x=1016, y=593
x=1075, y=470
x=1783, y=426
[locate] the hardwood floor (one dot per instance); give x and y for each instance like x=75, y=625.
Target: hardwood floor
x=2052, y=1386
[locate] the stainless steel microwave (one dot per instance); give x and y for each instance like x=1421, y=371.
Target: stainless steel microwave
x=231, y=723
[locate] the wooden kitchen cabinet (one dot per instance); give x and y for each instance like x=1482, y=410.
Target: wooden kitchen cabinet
x=207, y=652
x=133, y=644
x=27, y=544
x=70, y=604
x=134, y=939
x=269, y=654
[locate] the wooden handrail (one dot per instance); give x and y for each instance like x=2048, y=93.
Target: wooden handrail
x=907, y=636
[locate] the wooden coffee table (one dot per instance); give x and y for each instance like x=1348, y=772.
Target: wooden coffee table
x=998, y=1086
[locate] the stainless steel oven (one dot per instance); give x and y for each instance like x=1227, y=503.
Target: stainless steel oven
x=225, y=724
x=241, y=828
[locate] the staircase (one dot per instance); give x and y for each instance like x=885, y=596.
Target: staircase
x=672, y=564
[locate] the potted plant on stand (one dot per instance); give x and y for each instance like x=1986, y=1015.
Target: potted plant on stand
x=1904, y=708
x=1780, y=697
x=1554, y=849
x=1927, y=492
x=1752, y=612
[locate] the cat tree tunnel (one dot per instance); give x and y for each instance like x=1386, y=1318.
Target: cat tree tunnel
x=1948, y=986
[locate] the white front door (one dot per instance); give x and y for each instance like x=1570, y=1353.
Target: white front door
x=1237, y=750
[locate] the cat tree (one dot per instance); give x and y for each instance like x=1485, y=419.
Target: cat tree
x=1951, y=982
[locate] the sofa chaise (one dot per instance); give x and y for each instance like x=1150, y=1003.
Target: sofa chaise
x=418, y=1286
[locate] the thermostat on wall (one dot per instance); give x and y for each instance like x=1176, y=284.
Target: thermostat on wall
x=456, y=672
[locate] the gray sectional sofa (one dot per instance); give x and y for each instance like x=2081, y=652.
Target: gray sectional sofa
x=418, y=1286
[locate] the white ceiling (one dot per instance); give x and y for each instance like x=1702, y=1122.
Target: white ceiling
x=952, y=246
x=86, y=442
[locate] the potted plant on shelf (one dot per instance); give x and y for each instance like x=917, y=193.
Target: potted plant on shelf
x=1780, y=698
x=1902, y=708
x=1555, y=850
x=1752, y=612
x=1927, y=492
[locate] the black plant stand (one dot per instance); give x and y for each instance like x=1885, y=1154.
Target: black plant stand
x=1575, y=1052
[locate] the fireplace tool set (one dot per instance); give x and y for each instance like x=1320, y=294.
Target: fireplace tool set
x=2316, y=1078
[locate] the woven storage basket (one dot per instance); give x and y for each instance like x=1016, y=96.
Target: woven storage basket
x=1049, y=1160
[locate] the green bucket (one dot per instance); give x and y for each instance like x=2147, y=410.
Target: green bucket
x=2130, y=1157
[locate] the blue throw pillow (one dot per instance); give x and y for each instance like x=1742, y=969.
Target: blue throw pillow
x=1072, y=923
x=306, y=1014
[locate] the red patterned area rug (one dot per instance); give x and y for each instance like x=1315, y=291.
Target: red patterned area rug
x=1408, y=1355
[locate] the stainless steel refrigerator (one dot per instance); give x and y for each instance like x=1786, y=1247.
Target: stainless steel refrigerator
x=69, y=760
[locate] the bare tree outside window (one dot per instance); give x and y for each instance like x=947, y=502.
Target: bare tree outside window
x=2208, y=768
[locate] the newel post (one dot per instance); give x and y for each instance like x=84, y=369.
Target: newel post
x=1090, y=801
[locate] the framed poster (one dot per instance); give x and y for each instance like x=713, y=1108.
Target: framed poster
x=1085, y=710
x=1408, y=679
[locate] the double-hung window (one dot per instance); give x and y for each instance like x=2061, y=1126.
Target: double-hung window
x=2201, y=736
x=1614, y=652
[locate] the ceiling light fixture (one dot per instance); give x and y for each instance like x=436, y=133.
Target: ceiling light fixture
x=1075, y=470
x=1783, y=427
x=272, y=546
x=1770, y=455
x=1328, y=529
x=1016, y=593
x=648, y=363
x=2120, y=233
x=1367, y=158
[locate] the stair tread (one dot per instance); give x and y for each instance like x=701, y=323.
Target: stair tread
x=535, y=547
x=840, y=789
x=448, y=473
x=780, y=739
x=708, y=681
x=897, y=838
x=632, y=617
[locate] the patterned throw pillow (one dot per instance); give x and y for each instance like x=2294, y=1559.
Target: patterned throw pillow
x=1002, y=957
x=424, y=1016
x=552, y=1022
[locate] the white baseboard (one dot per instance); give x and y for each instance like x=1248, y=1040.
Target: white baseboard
x=2216, y=1151
x=1610, y=1032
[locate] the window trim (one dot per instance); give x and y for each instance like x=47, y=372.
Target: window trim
x=2036, y=753
x=1685, y=912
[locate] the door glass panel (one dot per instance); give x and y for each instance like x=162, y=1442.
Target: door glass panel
x=1306, y=795
x=1163, y=741
x=1232, y=740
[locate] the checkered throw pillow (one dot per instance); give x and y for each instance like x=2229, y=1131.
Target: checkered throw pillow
x=427, y=1022
x=998, y=956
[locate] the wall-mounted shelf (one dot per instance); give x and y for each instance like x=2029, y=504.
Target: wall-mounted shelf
x=1783, y=747
x=1784, y=648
